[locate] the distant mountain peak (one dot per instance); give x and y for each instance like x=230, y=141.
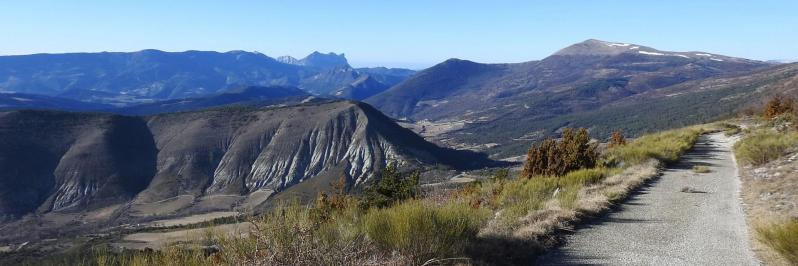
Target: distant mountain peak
x=457, y=62
x=599, y=47
x=287, y=59
x=328, y=60
x=593, y=47
x=317, y=60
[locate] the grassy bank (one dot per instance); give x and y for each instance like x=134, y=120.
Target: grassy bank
x=664, y=146
x=762, y=146
x=761, y=151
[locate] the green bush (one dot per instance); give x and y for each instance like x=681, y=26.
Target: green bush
x=574, y=151
x=783, y=238
x=424, y=231
x=763, y=146
x=391, y=188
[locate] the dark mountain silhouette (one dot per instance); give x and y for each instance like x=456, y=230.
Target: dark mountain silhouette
x=363, y=87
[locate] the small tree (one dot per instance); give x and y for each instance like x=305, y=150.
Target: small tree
x=617, y=139
x=556, y=158
x=391, y=188
x=777, y=106
x=326, y=204
x=322, y=210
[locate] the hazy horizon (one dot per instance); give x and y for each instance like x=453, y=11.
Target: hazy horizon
x=411, y=34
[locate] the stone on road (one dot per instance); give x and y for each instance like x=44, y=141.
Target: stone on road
x=662, y=225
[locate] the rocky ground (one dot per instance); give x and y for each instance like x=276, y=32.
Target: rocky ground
x=770, y=194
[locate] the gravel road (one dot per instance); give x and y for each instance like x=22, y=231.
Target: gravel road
x=661, y=225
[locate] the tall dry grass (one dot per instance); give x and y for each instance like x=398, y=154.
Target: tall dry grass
x=424, y=231
x=666, y=146
x=521, y=196
x=764, y=145
x=783, y=238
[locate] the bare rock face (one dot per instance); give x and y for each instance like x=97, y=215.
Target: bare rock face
x=58, y=161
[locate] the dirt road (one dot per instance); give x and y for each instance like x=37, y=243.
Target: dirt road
x=681, y=218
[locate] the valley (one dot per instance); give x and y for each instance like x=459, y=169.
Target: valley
x=182, y=151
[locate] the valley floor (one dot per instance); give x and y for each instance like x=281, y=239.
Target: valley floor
x=681, y=218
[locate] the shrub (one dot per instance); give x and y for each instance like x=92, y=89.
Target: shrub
x=574, y=151
x=777, y=106
x=423, y=231
x=292, y=235
x=783, y=238
x=617, y=139
x=665, y=146
x=762, y=146
x=391, y=188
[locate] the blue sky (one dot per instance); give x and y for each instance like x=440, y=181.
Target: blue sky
x=405, y=33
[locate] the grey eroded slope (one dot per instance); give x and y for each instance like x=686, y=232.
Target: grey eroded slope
x=61, y=161
x=55, y=160
x=662, y=225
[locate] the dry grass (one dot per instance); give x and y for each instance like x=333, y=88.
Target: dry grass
x=783, y=238
x=592, y=199
x=770, y=191
x=291, y=234
x=664, y=146
x=519, y=197
x=764, y=145
x=701, y=169
x=424, y=231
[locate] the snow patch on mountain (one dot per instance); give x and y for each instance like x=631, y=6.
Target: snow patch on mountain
x=650, y=53
x=617, y=44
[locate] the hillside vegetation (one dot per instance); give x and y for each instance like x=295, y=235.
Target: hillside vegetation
x=677, y=106
x=770, y=179
x=502, y=219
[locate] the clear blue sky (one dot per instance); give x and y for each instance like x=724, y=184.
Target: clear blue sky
x=404, y=33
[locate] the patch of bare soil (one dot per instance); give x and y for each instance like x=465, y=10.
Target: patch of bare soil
x=158, y=240
x=193, y=219
x=162, y=207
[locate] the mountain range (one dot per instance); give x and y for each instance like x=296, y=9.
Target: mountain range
x=486, y=100
x=152, y=75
